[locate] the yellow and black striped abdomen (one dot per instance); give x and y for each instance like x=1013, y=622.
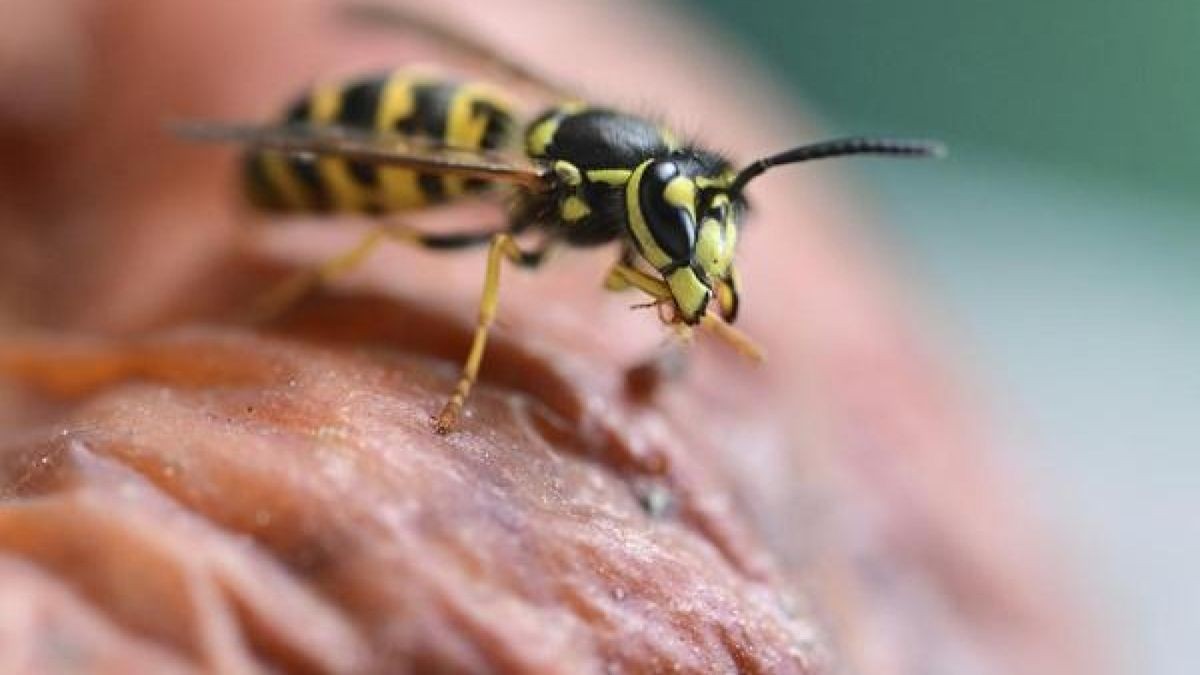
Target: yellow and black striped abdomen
x=467, y=116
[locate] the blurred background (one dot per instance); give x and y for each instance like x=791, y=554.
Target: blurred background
x=1060, y=245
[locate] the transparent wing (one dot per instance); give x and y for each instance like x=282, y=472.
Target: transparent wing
x=302, y=140
x=397, y=17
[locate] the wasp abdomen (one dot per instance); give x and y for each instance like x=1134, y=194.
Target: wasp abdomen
x=461, y=115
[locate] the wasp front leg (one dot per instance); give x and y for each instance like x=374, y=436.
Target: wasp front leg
x=622, y=276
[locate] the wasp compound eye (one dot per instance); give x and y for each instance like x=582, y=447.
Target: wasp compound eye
x=668, y=200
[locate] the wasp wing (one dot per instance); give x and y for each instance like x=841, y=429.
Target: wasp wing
x=381, y=149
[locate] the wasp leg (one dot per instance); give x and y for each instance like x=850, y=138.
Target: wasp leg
x=624, y=276
x=615, y=281
x=502, y=248
x=284, y=295
x=393, y=16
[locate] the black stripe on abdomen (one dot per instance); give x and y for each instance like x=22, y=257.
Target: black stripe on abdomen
x=360, y=107
x=305, y=169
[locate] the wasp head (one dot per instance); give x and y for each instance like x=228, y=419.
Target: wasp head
x=684, y=223
x=684, y=212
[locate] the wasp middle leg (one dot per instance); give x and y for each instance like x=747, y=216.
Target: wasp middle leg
x=623, y=275
x=502, y=248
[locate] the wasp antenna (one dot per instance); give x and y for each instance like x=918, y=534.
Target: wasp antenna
x=887, y=147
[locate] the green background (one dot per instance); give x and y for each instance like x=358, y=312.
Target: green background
x=1099, y=87
x=1055, y=255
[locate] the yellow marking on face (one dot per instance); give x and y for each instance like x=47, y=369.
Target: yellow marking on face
x=716, y=239
x=347, y=193
x=690, y=294
x=729, y=227
x=711, y=251
x=637, y=221
x=277, y=169
x=681, y=192
x=573, y=208
x=731, y=236
x=568, y=173
x=614, y=177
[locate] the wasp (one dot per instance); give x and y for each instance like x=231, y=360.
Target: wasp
x=578, y=174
